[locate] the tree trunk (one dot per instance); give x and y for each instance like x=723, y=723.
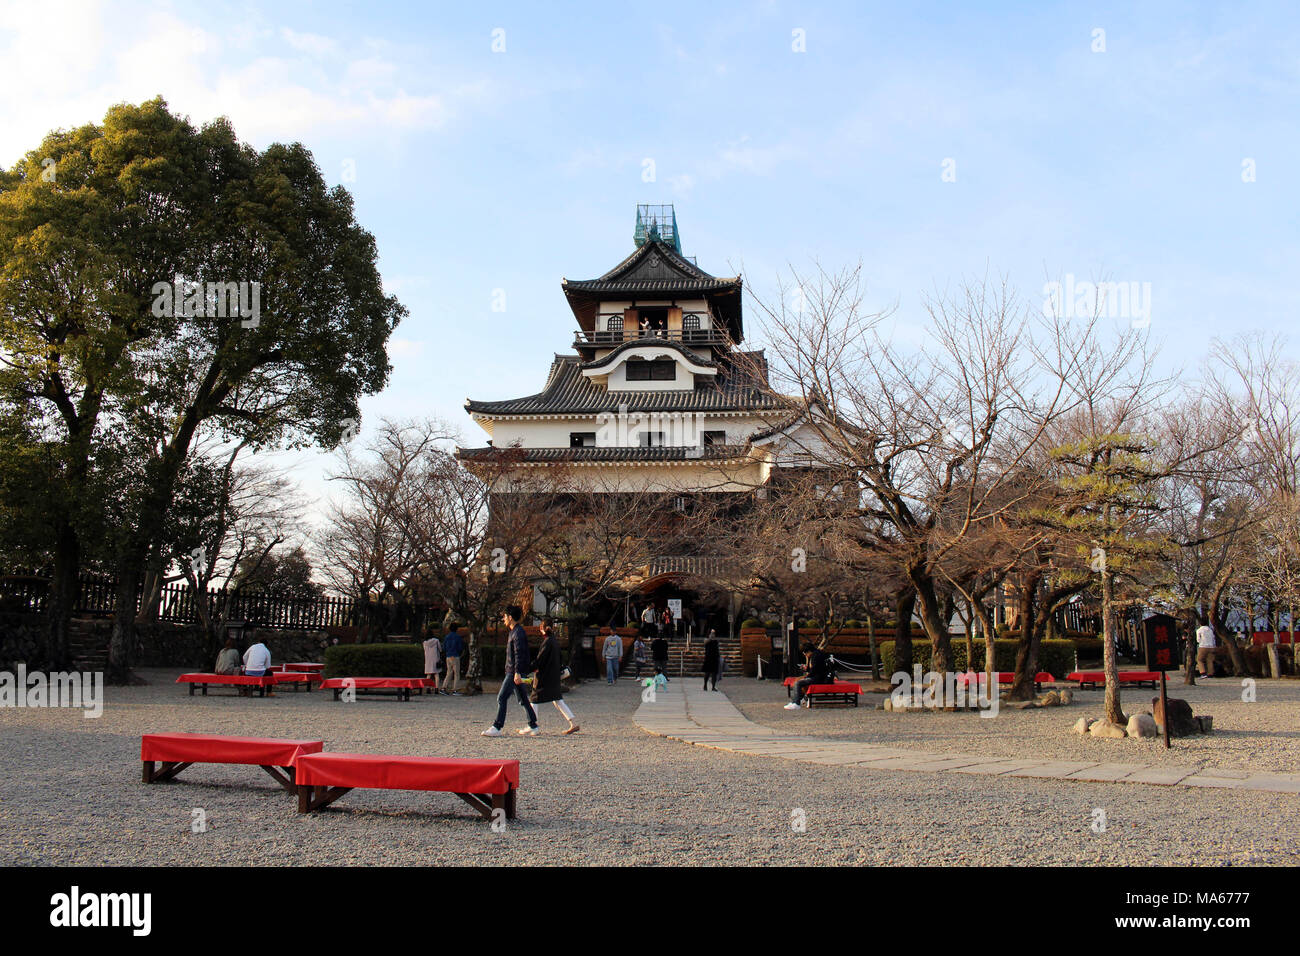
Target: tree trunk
x=62, y=596
x=904, y=605
x=122, y=640
x=1022, y=687
x=1190, y=621
x=932, y=620
x=1110, y=658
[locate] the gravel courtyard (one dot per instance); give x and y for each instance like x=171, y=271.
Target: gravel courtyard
x=614, y=794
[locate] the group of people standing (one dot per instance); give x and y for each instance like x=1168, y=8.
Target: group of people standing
x=612, y=652
x=449, y=649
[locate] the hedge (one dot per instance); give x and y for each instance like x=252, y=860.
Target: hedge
x=374, y=660
x=1055, y=657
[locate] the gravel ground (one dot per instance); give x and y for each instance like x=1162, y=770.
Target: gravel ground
x=609, y=795
x=1261, y=736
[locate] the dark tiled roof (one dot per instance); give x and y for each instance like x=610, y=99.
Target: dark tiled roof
x=650, y=342
x=655, y=267
x=706, y=453
x=568, y=391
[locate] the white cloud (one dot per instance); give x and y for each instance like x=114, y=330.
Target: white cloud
x=72, y=62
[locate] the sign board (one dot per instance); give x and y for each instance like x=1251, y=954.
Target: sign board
x=586, y=642
x=675, y=605
x=1160, y=639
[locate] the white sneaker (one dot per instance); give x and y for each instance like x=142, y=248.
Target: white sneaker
x=792, y=706
x=491, y=732
x=528, y=731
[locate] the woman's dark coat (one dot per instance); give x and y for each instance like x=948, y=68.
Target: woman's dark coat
x=548, y=666
x=711, y=656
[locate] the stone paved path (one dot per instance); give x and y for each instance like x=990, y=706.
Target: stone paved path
x=708, y=719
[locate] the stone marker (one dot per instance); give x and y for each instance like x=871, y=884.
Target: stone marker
x=1181, y=721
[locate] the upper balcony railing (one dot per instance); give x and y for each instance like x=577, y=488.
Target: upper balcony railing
x=615, y=337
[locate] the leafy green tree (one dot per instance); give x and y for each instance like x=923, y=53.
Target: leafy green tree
x=148, y=200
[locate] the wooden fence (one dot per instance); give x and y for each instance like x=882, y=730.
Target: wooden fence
x=97, y=597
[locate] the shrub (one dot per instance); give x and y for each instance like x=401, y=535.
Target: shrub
x=1089, y=648
x=1055, y=657
x=751, y=622
x=374, y=660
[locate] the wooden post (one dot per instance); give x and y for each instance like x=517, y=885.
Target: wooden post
x=1164, y=707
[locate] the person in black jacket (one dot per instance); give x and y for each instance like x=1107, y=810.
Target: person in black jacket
x=712, y=660
x=513, y=682
x=659, y=652
x=817, y=670
x=547, y=670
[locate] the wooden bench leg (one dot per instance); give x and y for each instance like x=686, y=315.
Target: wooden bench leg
x=316, y=798
x=191, y=690
x=205, y=690
x=480, y=802
x=169, y=770
x=284, y=779
x=510, y=803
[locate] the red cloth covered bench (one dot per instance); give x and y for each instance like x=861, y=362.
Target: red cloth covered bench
x=839, y=692
x=304, y=667
x=233, y=680
x=486, y=785
x=295, y=678
x=1098, y=678
x=403, y=685
x=178, y=751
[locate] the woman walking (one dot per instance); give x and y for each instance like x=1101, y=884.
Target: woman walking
x=546, y=676
x=712, y=660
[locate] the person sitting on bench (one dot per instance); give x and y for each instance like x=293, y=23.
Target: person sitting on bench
x=257, y=663
x=228, y=659
x=817, y=669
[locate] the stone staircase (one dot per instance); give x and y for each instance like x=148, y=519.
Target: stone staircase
x=691, y=663
x=88, y=644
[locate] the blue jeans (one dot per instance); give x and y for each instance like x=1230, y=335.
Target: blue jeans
x=509, y=687
x=611, y=669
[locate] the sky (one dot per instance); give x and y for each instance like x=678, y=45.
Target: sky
x=494, y=148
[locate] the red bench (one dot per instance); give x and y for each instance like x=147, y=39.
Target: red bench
x=178, y=751
x=839, y=692
x=1098, y=678
x=295, y=679
x=403, y=685
x=1006, y=677
x=304, y=667
x=486, y=785
x=231, y=680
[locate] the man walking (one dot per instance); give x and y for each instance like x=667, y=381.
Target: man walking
x=452, y=648
x=613, y=654
x=648, y=626
x=1205, y=650
x=517, y=664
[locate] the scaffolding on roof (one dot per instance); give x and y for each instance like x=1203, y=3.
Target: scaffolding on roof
x=656, y=223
